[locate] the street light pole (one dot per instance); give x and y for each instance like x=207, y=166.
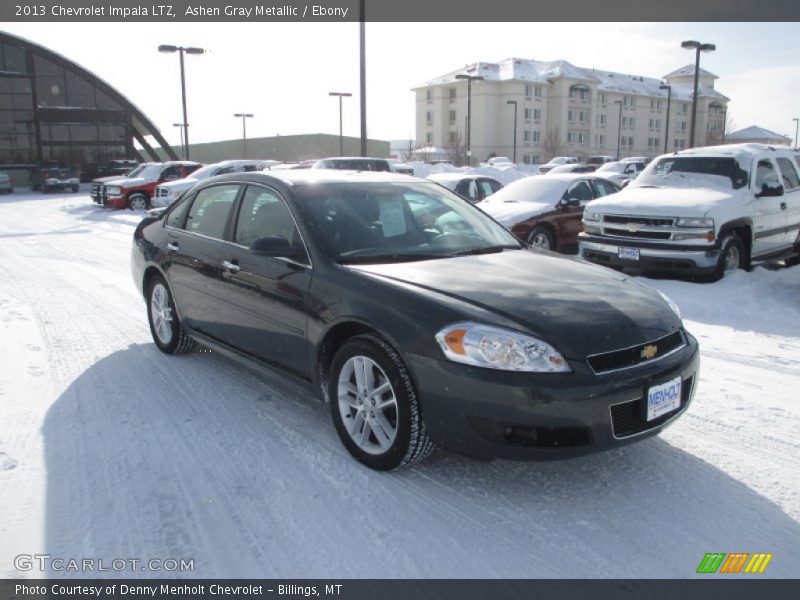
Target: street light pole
x=183, y=147
x=244, y=116
x=619, y=126
x=796, y=128
x=514, y=102
x=341, y=139
x=698, y=48
x=362, y=43
x=470, y=79
x=181, y=51
x=669, y=101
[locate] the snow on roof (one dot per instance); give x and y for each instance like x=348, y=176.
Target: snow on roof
x=755, y=132
x=689, y=70
x=739, y=151
x=543, y=72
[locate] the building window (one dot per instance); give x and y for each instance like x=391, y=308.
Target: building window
x=452, y=92
x=581, y=116
x=537, y=91
x=452, y=117
x=429, y=138
x=453, y=138
x=601, y=119
x=633, y=101
x=537, y=113
x=531, y=136
x=526, y=136
x=429, y=117
x=602, y=99
x=570, y=115
x=535, y=137
x=428, y=95
x=528, y=90
x=683, y=125
x=528, y=114
x=625, y=101
x=526, y=159
x=624, y=121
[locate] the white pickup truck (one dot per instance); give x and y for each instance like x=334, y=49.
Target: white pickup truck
x=700, y=212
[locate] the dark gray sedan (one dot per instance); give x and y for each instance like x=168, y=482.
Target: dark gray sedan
x=417, y=334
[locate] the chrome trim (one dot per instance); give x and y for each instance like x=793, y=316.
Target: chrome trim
x=283, y=258
x=682, y=410
x=638, y=364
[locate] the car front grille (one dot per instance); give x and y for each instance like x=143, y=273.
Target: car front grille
x=648, y=221
x=630, y=418
x=162, y=193
x=95, y=191
x=639, y=228
x=635, y=355
x=646, y=235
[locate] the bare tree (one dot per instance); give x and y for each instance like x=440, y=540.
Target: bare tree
x=457, y=150
x=408, y=154
x=553, y=143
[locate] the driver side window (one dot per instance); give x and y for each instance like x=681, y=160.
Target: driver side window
x=579, y=191
x=263, y=213
x=766, y=175
x=170, y=173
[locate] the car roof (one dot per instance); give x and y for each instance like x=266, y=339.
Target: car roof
x=351, y=158
x=299, y=177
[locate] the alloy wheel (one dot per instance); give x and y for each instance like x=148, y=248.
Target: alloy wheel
x=161, y=312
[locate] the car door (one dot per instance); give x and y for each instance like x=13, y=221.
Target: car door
x=265, y=299
x=571, y=211
x=194, y=237
x=768, y=214
x=791, y=199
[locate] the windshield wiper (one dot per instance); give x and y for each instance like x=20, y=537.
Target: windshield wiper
x=482, y=250
x=390, y=257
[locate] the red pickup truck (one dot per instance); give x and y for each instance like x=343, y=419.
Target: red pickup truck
x=135, y=192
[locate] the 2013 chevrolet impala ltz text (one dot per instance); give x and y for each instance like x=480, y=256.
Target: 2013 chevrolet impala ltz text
x=419, y=319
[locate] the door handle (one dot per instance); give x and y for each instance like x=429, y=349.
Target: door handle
x=232, y=267
x=172, y=247
x=783, y=205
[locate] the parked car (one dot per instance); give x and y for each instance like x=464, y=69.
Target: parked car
x=501, y=162
x=619, y=171
x=353, y=164
x=166, y=193
x=558, y=160
x=415, y=337
x=400, y=167
x=49, y=177
x=546, y=211
x=701, y=212
x=6, y=187
x=599, y=160
x=96, y=186
x=136, y=191
x=469, y=186
x=637, y=159
x=579, y=168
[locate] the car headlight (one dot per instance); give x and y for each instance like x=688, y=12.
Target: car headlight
x=113, y=190
x=497, y=348
x=591, y=216
x=693, y=222
x=672, y=305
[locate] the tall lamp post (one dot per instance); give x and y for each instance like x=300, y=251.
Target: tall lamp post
x=183, y=146
x=470, y=79
x=698, y=48
x=244, y=117
x=669, y=101
x=514, y=102
x=341, y=139
x=796, y=127
x=619, y=125
x=181, y=51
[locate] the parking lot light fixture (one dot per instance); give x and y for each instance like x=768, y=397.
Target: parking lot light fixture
x=698, y=47
x=619, y=126
x=669, y=101
x=470, y=79
x=341, y=139
x=244, y=117
x=166, y=48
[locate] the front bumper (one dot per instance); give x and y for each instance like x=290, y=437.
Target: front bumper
x=522, y=416
x=653, y=259
x=115, y=202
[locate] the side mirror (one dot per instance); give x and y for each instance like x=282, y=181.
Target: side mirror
x=767, y=191
x=570, y=202
x=276, y=246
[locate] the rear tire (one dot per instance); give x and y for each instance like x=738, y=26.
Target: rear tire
x=375, y=407
x=541, y=237
x=165, y=326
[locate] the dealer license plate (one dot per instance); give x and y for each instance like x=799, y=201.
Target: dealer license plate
x=663, y=398
x=628, y=253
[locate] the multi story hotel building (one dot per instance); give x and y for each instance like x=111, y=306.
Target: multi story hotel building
x=564, y=110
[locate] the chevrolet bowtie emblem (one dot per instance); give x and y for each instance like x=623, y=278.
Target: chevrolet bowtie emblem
x=632, y=227
x=649, y=351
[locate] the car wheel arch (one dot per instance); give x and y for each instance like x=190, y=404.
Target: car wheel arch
x=743, y=229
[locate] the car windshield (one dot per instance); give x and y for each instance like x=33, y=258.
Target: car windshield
x=612, y=167
x=541, y=189
x=395, y=222
x=694, y=171
x=151, y=171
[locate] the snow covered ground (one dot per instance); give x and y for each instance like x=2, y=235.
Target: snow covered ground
x=108, y=449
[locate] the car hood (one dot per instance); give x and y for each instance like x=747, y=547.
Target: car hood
x=581, y=309
x=106, y=179
x=662, y=201
x=511, y=213
x=129, y=181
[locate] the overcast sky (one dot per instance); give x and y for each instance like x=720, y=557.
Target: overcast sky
x=283, y=72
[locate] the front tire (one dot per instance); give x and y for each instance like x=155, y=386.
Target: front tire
x=138, y=202
x=165, y=326
x=374, y=405
x=542, y=238
x=731, y=257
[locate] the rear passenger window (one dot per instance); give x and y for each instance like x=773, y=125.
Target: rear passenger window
x=210, y=210
x=788, y=174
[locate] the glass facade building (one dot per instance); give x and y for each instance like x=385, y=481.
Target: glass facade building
x=52, y=109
